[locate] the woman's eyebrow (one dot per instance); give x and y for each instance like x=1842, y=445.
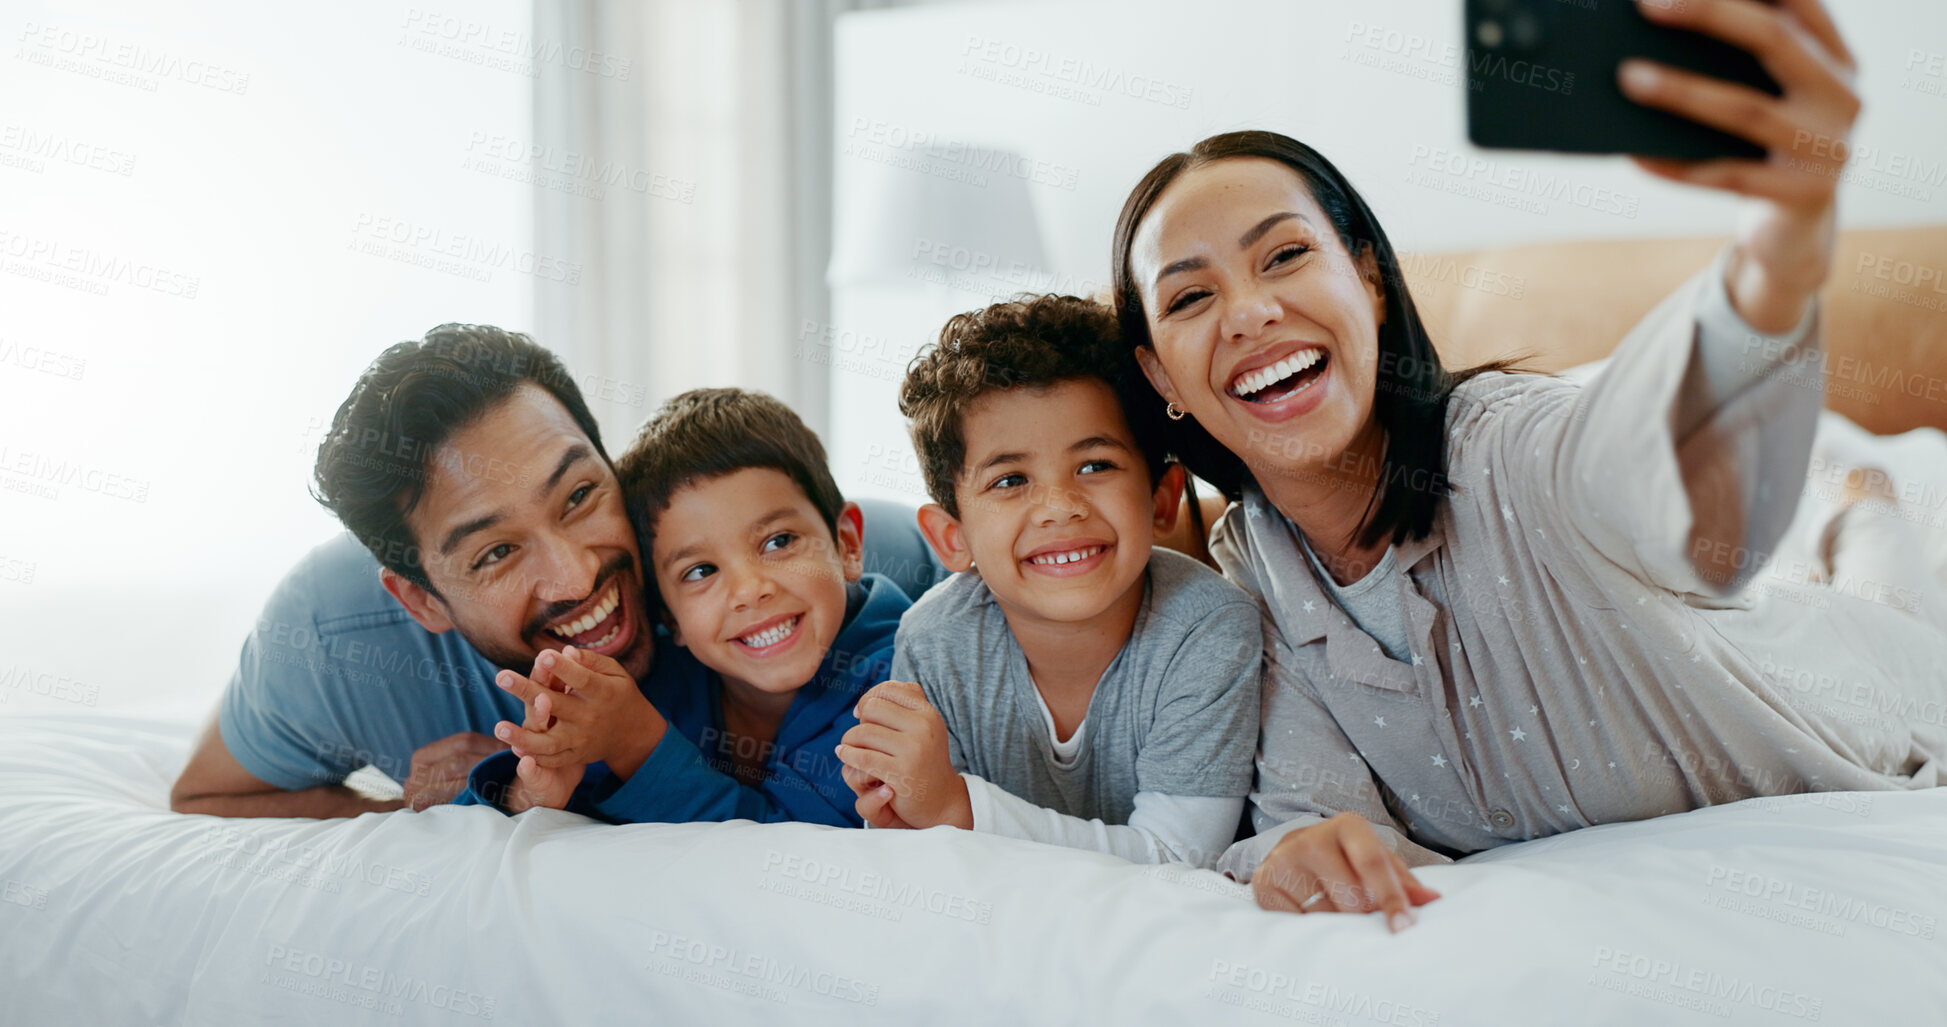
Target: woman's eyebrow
x=1186, y=264
x=1257, y=231
x=1244, y=241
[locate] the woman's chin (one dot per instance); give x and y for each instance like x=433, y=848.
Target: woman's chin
x=1294, y=444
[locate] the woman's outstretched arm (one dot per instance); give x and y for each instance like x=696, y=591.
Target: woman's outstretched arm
x=1684, y=461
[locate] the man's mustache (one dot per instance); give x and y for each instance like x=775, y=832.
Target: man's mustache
x=555, y=611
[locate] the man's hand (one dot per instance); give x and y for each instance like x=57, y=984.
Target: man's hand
x=901, y=742
x=1783, y=253
x=598, y=714
x=1339, y=866
x=439, y=768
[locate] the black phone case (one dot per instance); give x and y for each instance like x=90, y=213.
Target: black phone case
x=1541, y=75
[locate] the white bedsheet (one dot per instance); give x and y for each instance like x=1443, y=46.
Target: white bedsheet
x=1822, y=909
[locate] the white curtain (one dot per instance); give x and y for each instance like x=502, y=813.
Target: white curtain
x=682, y=165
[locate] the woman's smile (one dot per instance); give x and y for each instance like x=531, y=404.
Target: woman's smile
x=1282, y=383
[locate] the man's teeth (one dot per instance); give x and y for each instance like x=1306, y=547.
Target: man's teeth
x=1071, y=556
x=1266, y=376
x=771, y=635
x=593, y=617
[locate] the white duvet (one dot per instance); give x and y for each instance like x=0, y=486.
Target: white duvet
x=1812, y=909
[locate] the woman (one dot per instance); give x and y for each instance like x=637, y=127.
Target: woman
x=1502, y=606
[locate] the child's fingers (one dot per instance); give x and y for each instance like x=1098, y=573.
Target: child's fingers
x=535, y=720
x=857, y=781
x=900, y=693
x=543, y=674
x=875, y=808
x=892, y=713
x=869, y=761
x=522, y=688
x=596, y=662
x=879, y=737
x=550, y=708
x=555, y=761
x=579, y=672
x=544, y=706
x=529, y=742
x=871, y=803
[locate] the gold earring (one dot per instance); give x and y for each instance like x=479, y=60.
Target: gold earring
x=1175, y=412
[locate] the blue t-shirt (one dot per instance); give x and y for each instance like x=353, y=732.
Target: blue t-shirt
x=688, y=777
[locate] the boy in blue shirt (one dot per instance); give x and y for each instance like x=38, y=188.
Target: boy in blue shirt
x=1071, y=683
x=758, y=566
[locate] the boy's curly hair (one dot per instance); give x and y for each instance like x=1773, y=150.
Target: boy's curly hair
x=1032, y=342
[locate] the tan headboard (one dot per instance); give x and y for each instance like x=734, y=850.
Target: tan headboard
x=1885, y=319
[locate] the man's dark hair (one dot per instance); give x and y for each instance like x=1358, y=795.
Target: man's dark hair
x=374, y=463
x=709, y=433
x=1413, y=388
x=1032, y=342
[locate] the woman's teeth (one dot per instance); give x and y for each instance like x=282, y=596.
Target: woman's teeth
x=593, y=617
x=1070, y=556
x=1264, y=377
x=772, y=635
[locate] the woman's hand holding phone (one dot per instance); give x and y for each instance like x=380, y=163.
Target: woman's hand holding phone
x=1784, y=252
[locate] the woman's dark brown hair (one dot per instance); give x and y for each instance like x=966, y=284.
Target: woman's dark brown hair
x=1411, y=393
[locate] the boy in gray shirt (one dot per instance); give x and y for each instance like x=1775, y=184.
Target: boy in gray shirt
x=1069, y=684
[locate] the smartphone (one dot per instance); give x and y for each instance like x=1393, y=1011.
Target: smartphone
x=1541, y=75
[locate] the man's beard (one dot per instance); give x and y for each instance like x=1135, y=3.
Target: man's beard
x=535, y=631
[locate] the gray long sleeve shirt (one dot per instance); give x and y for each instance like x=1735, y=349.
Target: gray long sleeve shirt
x=1570, y=664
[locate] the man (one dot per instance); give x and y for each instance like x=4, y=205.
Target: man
x=492, y=526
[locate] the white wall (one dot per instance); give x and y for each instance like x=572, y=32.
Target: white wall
x=1098, y=92
x=216, y=171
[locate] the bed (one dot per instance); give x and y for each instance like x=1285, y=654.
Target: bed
x=1821, y=908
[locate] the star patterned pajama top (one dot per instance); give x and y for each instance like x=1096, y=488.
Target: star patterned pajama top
x=1571, y=664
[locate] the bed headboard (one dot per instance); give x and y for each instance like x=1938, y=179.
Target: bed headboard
x=1570, y=303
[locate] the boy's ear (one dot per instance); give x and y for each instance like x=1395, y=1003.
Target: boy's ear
x=1152, y=366
x=851, y=541
x=944, y=534
x=1167, y=501
x=424, y=607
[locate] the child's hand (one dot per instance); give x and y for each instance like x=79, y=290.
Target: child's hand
x=597, y=714
x=901, y=741
x=536, y=785
x=875, y=800
x=533, y=784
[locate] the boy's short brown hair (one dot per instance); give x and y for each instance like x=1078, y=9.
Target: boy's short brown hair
x=1031, y=342
x=708, y=433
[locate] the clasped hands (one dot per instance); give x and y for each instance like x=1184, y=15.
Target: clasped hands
x=896, y=761
x=581, y=708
